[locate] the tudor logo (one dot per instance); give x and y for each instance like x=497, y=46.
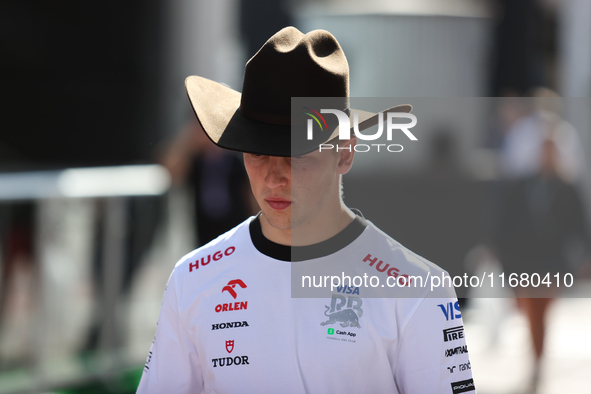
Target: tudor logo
x=229, y=361
x=231, y=285
x=230, y=346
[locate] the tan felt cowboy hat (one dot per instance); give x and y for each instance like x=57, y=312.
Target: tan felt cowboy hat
x=290, y=64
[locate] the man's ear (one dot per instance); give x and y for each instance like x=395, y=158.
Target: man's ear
x=346, y=153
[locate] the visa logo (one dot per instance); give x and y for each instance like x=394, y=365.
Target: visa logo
x=348, y=290
x=449, y=310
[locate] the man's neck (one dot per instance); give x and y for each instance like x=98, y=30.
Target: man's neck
x=310, y=232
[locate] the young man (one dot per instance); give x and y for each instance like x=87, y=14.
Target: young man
x=228, y=323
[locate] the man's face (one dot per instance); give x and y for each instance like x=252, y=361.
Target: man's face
x=292, y=191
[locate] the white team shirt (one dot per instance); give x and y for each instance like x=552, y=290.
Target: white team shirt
x=228, y=324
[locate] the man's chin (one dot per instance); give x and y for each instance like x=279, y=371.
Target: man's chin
x=277, y=221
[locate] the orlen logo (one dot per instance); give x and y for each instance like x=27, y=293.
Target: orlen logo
x=233, y=306
x=345, y=129
x=230, y=287
x=216, y=256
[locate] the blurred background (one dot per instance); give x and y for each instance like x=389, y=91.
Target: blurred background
x=106, y=180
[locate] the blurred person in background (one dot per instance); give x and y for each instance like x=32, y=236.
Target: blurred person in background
x=541, y=216
x=443, y=164
x=19, y=278
x=524, y=53
x=525, y=124
x=142, y=216
x=220, y=192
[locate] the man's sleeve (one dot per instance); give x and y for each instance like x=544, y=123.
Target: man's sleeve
x=172, y=365
x=433, y=355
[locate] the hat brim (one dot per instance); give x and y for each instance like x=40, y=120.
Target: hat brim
x=217, y=108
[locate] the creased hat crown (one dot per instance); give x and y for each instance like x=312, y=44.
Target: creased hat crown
x=293, y=64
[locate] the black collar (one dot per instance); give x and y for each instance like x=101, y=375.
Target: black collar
x=301, y=253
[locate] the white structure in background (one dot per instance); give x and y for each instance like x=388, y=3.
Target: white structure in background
x=520, y=155
x=202, y=38
x=408, y=48
x=55, y=318
x=574, y=43
x=422, y=49
x=115, y=181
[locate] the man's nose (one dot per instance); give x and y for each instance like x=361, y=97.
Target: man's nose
x=278, y=172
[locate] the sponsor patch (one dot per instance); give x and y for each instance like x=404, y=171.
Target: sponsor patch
x=345, y=311
x=233, y=306
x=231, y=285
x=456, y=350
x=230, y=346
x=462, y=386
x=454, y=333
x=449, y=310
x=229, y=361
x=216, y=256
x=235, y=324
x=385, y=267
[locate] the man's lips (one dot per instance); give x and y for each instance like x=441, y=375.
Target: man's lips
x=278, y=204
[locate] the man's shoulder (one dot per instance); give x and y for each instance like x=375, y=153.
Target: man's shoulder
x=396, y=253
x=389, y=257
x=221, y=247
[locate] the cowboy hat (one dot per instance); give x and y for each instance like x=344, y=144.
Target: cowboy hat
x=290, y=64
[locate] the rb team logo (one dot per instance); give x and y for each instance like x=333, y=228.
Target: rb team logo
x=343, y=310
